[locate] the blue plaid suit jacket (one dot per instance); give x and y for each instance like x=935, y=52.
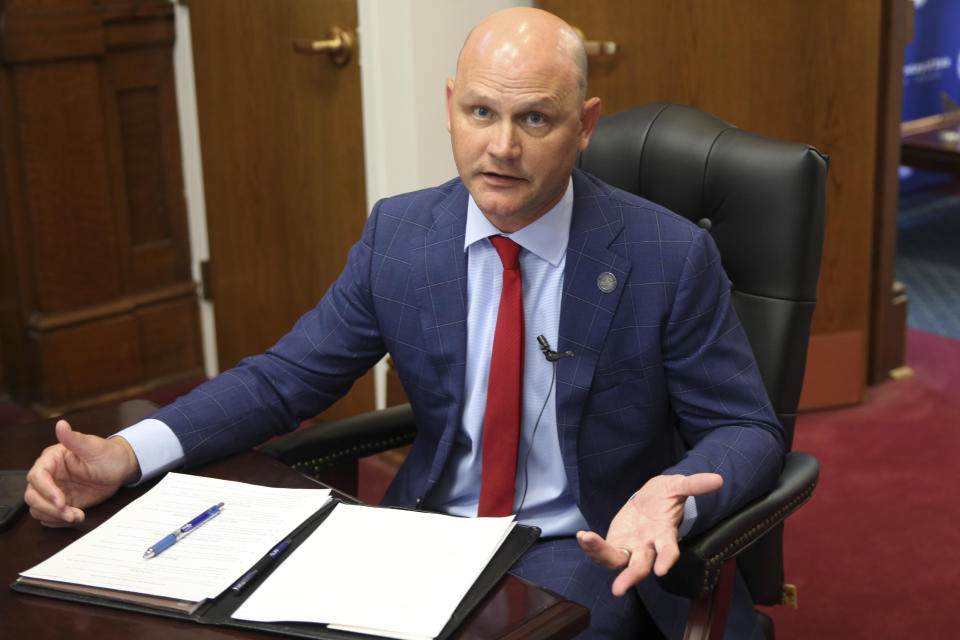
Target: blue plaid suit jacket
x=663, y=355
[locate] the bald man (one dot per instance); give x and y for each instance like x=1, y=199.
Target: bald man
x=635, y=293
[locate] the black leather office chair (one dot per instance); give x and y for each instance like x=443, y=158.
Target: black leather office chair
x=763, y=202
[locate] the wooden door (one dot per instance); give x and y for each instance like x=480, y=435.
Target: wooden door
x=282, y=150
x=821, y=72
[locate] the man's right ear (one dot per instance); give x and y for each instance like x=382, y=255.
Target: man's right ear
x=449, y=92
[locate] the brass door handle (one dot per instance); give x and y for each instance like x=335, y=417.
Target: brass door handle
x=597, y=47
x=339, y=45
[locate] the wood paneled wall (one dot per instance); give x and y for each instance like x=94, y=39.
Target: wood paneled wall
x=97, y=297
x=820, y=72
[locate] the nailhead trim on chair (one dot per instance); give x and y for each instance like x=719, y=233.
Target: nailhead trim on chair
x=714, y=563
x=315, y=466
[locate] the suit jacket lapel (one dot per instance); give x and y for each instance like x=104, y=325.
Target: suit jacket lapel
x=439, y=277
x=590, y=298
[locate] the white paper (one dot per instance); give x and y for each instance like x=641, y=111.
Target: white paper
x=397, y=573
x=202, y=564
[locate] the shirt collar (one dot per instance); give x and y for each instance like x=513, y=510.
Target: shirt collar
x=546, y=236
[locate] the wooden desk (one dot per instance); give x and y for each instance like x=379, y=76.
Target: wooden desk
x=515, y=610
x=931, y=143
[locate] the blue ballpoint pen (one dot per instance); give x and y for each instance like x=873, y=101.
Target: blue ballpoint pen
x=178, y=535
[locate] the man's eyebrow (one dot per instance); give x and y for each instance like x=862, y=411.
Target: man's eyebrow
x=536, y=103
x=539, y=103
x=475, y=96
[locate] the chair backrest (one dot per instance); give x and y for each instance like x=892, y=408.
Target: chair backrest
x=763, y=202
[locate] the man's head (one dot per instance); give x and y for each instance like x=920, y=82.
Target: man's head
x=516, y=113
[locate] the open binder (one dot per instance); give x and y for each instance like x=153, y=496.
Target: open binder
x=219, y=610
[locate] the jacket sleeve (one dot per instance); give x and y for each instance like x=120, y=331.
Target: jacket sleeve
x=305, y=372
x=719, y=401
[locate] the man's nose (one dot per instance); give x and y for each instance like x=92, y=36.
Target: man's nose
x=504, y=141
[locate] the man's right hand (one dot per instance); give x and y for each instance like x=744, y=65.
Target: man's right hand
x=82, y=470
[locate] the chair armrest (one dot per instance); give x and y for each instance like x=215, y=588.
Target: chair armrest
x=697, y=570
x=316, y=448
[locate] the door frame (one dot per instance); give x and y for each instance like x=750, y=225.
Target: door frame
x=407, y=49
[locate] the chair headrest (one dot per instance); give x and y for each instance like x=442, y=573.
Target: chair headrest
x=762, y=199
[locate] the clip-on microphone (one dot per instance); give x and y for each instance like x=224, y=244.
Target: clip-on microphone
x=550, y=354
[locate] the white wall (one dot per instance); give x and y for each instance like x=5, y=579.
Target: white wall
x=407, y=50
x=193, y=176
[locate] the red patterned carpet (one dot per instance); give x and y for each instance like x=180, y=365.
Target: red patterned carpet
x=874, y=553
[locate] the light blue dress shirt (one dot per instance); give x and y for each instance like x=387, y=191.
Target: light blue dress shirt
x=541, y=494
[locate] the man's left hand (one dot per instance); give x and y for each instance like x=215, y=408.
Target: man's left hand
x=643, y=534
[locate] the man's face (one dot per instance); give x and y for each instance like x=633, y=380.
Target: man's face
x=516, y=123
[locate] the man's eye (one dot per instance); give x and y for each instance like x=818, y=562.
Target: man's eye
x=481, y=112
x=535, y=117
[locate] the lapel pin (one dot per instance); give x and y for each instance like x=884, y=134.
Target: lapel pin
x=607, y=282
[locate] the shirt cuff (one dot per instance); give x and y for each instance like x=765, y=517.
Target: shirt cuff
x=157, y=448
x=689, y=517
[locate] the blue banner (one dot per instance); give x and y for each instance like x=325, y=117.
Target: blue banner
x=931, y=70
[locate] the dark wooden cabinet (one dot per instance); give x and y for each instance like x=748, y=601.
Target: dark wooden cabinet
x=96, y=296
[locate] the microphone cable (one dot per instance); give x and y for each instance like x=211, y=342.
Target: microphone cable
x=551, y=356
x=536, y=425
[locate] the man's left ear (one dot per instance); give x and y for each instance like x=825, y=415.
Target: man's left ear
x=588, y=121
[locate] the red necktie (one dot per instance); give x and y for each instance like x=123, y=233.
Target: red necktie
x=501, y=422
